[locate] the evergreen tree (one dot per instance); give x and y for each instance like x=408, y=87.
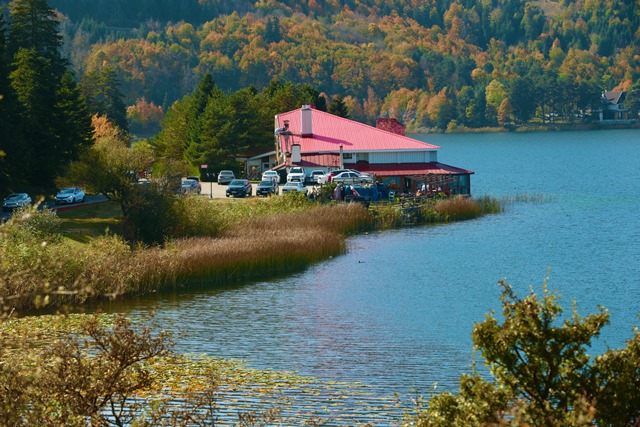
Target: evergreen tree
x=8, y=109
x=102, y=91
x=338, y=107
x=30, y=79
x=52, y=122
x=74, y=120
x=34, y=26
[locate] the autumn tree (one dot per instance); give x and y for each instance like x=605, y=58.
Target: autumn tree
x=505, y=111
x=145, y=116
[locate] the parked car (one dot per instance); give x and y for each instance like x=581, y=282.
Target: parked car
x=352, y=177
x=267, y=187
x=273, y=175
x=240, y=188
x=190, y=186
x=296, y=173
x=326, y=178
x=358, y=193
x=15, y=201
x=70, y=195
x=225, y=177
x=314, y=175
x=294, y=186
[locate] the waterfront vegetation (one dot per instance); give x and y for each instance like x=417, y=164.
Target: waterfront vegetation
x=77, y=255
x=62, y=260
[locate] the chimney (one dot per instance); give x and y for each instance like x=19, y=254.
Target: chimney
x=305, y=116
x=296, y=156
x=390, y=125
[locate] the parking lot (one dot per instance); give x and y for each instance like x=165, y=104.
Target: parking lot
x=219, y=190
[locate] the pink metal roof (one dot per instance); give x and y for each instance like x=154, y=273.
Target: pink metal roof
x=328, y=132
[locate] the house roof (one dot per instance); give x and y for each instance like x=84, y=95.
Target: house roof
x=329, y=132
x=409, y=169
x=614, y=97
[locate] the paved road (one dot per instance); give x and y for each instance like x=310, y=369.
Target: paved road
x=218, y=190
x=52, y=205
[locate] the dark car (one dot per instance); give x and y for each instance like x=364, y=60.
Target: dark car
x=190, y=186
x=239, y=188
x=267, y=187
x=15, y=201
x=358, y=193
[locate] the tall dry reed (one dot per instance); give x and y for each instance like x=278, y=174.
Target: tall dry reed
x=35, y=271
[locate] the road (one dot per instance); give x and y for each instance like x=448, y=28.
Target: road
x=50, y=204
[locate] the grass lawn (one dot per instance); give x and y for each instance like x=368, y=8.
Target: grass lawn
x=85, y=223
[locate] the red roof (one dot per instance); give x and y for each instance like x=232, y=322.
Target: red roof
x=408, y=169
x=328, y=132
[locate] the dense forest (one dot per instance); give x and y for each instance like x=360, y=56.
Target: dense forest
x=433, y=64
x=430, y=63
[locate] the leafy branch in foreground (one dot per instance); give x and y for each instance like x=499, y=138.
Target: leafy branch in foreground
x=542, y=372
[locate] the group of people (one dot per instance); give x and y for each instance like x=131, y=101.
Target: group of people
x=428, y=189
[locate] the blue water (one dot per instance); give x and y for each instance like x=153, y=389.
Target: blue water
x=396, y=312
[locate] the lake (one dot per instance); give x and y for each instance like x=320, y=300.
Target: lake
x=395, y=313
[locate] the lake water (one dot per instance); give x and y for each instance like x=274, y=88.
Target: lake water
x=396, y=312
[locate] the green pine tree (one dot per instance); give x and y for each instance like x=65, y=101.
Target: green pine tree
x=338, y=107
x=52, y=123
x=102, y=92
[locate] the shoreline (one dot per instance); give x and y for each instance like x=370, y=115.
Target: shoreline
x=540, y=127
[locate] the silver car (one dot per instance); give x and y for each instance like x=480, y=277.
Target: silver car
x=294, y=186
x=15, y=201
x=350, y=177
x=225, y=177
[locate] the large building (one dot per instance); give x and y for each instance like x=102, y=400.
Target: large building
x=318, y=140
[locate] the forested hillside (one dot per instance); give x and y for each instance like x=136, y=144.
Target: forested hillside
x=431, y=63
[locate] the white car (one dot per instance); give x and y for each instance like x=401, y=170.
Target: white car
x=296, y=173
x=315, y=175
x=294, y=186
x=352, y=177
x=273, y=175
x=70, y=195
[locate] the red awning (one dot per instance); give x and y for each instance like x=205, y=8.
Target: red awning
x=410, y=169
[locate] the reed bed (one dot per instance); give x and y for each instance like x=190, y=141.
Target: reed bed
x=36, y=271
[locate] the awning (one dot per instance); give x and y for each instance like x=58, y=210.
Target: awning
x=409, y=169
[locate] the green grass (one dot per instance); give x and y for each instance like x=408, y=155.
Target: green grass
x=88, y=222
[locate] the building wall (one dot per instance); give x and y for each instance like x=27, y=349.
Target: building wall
x=402, y=157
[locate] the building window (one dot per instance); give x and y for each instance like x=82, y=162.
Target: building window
x=362, y=158
x=347, y=156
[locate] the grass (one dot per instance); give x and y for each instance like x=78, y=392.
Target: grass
x=438, y=210
x=85, y=224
